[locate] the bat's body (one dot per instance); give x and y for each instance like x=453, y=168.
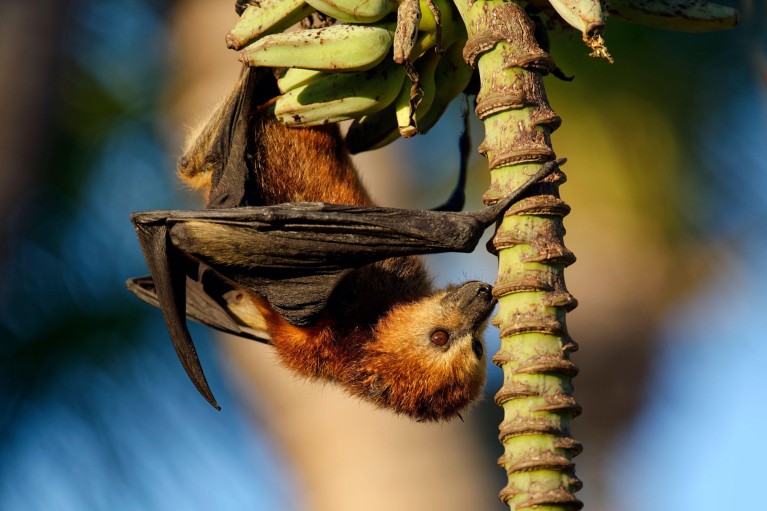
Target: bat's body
x=331, y=302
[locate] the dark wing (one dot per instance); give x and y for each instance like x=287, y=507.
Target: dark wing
x=291, y=254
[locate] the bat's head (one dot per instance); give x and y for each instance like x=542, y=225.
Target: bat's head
x=428, y=359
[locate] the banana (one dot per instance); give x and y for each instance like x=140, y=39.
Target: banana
x=452, y=76
x=447, y=30
x=373, y=131
x=408, y=107
x=588, y=17
x=241, y=5
x=682, y=15
x=296, y=77
x=338, y=47
x=451, y=30
x=335, y=97
x=403, y=109
x=429, y=22
x=268, y=16
x=431, y=19
x=354, y=11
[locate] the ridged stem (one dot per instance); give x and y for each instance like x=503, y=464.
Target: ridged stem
x=537, y=392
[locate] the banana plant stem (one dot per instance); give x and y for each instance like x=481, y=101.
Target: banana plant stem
x=537, y=393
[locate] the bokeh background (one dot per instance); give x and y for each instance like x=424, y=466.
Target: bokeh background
x=668, y=184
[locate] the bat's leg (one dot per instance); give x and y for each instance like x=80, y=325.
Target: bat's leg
x=167, y=268
x=458, y=197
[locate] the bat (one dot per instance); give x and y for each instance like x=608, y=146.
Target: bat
x=292, y=252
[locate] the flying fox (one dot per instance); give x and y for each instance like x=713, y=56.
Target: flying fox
x=291, y=251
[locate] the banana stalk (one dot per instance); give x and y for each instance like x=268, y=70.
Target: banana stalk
x=537, y=393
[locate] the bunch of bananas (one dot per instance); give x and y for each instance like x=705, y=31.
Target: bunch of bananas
x=393, y=66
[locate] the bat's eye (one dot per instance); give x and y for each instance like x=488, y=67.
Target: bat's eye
x=440, y=337
x=477, y=348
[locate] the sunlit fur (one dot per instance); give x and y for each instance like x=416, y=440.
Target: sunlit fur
x=374, y=336
x=293, y=164
x=194, y=168
x=443, y=379
x=394, y=364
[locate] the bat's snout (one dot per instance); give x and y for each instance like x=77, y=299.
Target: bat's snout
x=475, y=298
x=474, y=290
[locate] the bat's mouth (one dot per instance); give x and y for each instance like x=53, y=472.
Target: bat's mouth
x=475, y=299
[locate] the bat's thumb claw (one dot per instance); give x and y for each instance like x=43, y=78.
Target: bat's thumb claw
x=492, y=213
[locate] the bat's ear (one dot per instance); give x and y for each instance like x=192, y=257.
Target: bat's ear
x=169, y=276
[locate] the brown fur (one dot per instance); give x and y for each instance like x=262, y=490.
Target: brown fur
x=306, y=165
x=374, y=336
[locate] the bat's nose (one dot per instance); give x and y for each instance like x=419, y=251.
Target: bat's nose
x=484, y=290
x=485, y=294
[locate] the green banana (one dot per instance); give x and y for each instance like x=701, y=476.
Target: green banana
x=408, y=109
x=268, y=16
x=683, y=15
x=429, y=22
x=409, y=15
x=452, y=29
x=338, y=47
x=373, y=131
x=335, y=97
x=587, y=16
x=452, y=76
x=296, y=77
x=403, y=110
x=354, y=11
